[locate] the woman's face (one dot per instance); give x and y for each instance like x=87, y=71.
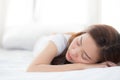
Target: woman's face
x=83, y=49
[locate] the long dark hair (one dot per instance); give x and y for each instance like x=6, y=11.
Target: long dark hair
x=106, y=37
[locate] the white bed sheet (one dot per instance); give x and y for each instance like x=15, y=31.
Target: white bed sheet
x=13, y=64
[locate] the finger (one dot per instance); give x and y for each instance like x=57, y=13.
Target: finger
x=110, y=64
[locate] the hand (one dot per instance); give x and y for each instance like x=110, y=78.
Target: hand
x=109, y=64
x=102, y=65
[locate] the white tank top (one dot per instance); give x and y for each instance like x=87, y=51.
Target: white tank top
x=60, y=40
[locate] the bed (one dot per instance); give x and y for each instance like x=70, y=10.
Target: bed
x=13, y=64
x=16, y=54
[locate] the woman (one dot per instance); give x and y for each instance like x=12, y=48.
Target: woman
x=96, y=47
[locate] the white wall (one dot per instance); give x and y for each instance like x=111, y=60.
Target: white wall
x=73, y=15
x=99, y=11
x=2, y=17
x=19, y=12
x=94, y=10
x=111, y=13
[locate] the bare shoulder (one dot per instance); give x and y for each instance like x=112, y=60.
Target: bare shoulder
x=46, y=55
x=51, y=48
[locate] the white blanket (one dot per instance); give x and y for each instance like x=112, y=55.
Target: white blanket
x=13, y=64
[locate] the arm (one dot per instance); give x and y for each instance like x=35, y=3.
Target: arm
x=54, y=68
x=66, y=67
x=43, y=60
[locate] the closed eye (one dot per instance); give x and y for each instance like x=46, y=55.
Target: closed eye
x=84, y=55
x=79, y=41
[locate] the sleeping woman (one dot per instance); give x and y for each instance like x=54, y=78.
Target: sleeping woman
x=98, y=46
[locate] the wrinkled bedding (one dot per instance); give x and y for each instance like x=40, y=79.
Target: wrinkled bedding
x=13, y=64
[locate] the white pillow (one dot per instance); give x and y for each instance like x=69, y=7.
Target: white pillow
x=24, y=37
x=21, y=37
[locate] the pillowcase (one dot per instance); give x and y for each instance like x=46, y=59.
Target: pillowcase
x=24, y=37
x=21, y=37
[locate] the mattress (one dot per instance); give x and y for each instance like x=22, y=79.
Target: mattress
x=13, y=65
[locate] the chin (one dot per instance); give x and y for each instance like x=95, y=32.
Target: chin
x=69, y=60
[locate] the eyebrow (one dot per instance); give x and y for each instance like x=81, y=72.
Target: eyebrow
x=84, y=50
